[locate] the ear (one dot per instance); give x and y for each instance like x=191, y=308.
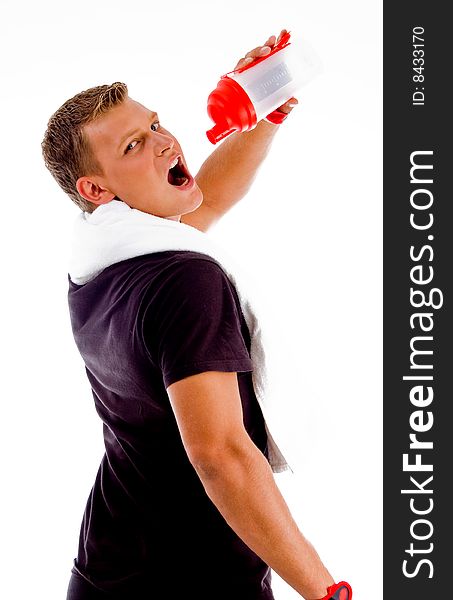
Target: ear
x=93, y=192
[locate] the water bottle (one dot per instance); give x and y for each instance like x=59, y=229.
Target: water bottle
x=247, y=95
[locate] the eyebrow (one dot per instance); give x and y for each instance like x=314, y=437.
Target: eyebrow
x=152, y=116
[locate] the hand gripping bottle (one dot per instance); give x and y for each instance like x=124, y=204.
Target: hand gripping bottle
x=244, y=97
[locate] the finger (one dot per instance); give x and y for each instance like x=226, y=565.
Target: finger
x=282, y=33
x=243, y=63
x=258, y=51
x=265, y=50
x=270, y=41
x=288, y=106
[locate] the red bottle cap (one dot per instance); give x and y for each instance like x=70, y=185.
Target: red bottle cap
x=230, y=108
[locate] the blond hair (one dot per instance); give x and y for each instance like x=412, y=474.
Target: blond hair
x=66, y=150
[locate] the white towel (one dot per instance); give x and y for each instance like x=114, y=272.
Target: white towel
x=115, y=232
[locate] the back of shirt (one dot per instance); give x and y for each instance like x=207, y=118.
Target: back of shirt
x=141, y=325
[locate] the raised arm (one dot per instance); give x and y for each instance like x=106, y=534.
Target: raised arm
x=239, y=481
x=227, y=174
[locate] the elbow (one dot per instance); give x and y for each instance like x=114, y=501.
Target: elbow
x=207, y=468
x=218, y=460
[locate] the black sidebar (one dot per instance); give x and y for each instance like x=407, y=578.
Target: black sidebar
x=418, y=316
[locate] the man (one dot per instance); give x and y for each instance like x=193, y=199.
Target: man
x=184, y=503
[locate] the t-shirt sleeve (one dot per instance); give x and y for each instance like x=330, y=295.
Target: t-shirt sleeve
x=192, y=323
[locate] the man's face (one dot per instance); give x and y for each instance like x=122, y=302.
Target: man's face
x=136, y=153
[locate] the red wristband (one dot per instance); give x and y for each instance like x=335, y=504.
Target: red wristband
x=276, y=117
x=338, y=591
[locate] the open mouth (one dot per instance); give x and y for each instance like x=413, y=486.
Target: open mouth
x=178, y=174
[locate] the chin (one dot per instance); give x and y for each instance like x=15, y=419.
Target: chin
x=193, y=203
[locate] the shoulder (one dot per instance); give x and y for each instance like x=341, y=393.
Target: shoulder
x=177, y=264
x=186, y=272
x=141, y=271
x=198, y=270
x=165, y=277
x=185, y=280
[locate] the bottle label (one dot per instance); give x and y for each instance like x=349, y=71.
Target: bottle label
x=273, y=80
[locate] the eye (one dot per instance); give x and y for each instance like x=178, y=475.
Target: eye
x=130, y=146
x=155, y=125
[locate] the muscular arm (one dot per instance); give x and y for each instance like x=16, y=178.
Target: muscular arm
x=227, y=174
x=239, y=481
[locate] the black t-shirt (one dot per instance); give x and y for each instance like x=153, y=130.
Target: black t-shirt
x=141, y=325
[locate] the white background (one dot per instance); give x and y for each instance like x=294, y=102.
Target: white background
x=309, y=234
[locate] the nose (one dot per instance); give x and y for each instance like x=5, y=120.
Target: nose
x=162, y=143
